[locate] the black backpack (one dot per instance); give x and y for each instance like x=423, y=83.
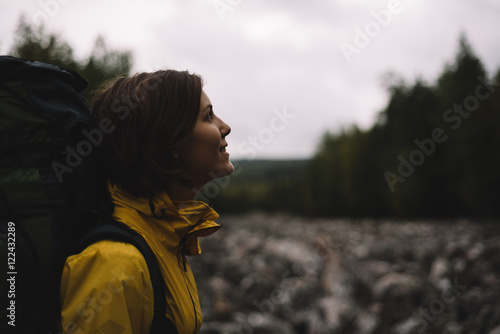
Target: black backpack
x=51, y=194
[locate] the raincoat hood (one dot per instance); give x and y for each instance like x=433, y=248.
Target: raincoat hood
x=173, y=225
x=171, y=229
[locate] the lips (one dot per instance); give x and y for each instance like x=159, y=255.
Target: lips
x=223, y=149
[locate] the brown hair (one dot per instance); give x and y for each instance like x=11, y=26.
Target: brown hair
x=145, y=117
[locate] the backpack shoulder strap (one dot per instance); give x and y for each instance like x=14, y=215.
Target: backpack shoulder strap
x=119, y=232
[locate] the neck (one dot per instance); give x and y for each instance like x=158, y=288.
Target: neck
x=179, y=192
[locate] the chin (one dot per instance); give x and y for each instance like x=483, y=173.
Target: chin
x=226, y=171
x=230, y=169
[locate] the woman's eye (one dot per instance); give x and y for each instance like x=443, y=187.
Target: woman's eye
x=210, y=115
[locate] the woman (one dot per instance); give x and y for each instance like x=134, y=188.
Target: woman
x=162, y=142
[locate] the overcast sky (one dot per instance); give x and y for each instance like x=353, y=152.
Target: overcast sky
x=282, y=72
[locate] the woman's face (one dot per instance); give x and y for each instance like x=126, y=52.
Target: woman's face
x=203, y=156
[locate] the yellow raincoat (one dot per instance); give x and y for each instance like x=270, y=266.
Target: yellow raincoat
x=106, y=289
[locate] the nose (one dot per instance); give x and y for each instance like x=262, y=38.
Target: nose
x=224, y=128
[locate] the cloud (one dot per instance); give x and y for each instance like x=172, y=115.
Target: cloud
x=282, y=54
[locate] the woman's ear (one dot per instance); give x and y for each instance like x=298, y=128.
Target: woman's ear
x=176, y=159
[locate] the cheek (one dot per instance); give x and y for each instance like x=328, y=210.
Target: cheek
x=203, y=148
x=209, y=138
x=206, y=146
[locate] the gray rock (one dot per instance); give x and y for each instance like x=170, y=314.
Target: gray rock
x=439, y=273
x=495, y=330
x=266, y=273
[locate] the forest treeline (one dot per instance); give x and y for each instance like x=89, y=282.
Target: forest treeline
x=433, y=152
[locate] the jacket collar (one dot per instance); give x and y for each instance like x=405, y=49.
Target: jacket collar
x=175, y=224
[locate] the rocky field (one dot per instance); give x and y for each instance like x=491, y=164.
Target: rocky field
x=284, y=274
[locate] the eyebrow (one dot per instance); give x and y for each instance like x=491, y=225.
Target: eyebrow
x=207, y=106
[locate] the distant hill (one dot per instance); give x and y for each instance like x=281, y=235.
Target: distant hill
x=255, y=185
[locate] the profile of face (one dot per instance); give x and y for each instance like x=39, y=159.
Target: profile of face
x=203, y=156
